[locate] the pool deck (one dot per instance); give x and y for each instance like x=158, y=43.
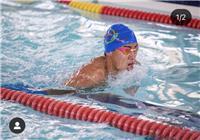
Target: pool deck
x=151, y=6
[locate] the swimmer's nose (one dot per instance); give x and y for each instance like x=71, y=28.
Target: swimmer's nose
x=131, y=56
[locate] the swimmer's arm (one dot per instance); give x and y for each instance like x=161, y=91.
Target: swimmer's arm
x=31, y=90
x=59, y=91
x=131, y=90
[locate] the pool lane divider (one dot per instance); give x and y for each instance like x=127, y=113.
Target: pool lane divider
x=74, y=111
x=124, y=12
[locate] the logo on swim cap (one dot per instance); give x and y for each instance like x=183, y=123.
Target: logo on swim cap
x=118, y=35
x=111, y=36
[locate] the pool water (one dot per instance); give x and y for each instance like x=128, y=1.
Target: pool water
x=43, y=43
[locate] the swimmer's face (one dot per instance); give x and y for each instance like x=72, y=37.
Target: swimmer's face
x=125, y=57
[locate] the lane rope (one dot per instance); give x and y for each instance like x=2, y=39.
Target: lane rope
x=128, y=13
x=74, y=111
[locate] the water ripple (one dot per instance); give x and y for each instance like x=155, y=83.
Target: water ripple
x=43, y=43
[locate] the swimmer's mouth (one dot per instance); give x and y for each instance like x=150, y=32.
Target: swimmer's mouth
x=130, y=64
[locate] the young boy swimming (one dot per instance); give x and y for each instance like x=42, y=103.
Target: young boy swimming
x=120, y=54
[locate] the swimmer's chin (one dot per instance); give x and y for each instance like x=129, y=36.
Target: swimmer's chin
x=130, y=67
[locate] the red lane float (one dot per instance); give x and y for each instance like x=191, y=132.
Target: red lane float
x=85, y=113
x=129, y=13
x=64, y=1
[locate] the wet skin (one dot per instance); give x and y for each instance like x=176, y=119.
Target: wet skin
x=96, y=72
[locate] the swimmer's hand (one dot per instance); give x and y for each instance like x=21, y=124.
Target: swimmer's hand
x=131, y=90
x=59, y=91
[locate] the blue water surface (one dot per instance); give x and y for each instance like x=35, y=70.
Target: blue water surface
x=43, y=43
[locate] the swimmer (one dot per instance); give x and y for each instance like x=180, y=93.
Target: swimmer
x=120, y=54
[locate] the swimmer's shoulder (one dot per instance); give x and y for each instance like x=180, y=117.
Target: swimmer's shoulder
x=94, y=64
x=99, y=60
x=88, y=75
x=99, y=65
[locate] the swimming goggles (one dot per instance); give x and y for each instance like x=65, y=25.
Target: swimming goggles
x=127, y=49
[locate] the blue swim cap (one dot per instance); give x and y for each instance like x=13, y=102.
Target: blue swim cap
x=118, y=35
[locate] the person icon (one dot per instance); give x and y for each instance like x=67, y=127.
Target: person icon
x=17, y=127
